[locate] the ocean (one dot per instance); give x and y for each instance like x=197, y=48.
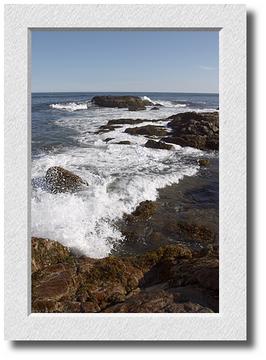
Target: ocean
x=64, y=133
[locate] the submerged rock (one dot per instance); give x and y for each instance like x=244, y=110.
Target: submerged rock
x=108, y=139
x=124, y=121
x=155, y=108
x=120, y=101
x=158, y=145
x=149, y=130
x=59, y=179
x=203, y=162
x=124, y=142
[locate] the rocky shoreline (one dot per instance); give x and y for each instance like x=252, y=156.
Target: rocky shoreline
x=169, y=261
x=173, y=278
x=178, y=271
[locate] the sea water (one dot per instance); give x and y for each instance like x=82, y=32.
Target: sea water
x=64, y=133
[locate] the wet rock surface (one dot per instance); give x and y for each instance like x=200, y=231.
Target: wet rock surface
x=177, y=271
x=123, y=142
x=149, y=130
x=158, y=145
x=144, y=283
x=203, y=162
x=187, y=212
x=198, y=130
x=169, y=260
x=59, y=180
x=133, y=102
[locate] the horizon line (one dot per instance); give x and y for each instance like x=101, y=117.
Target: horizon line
x=135, y=92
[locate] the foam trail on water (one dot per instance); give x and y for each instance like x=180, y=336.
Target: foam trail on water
x=118, y=182
x=119, y=176
x=72, y=106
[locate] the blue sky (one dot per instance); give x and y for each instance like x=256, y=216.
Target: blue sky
x=169, y=61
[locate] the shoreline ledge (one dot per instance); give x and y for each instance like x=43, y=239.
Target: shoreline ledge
x=179, y=277
x=173, y=278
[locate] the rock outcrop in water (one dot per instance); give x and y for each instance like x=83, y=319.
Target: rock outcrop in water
x=59, y=179
x=173, y=278
x=198, y=130
x=149, y=130
x=132, y=102
x=142, y=212
x=158, y=145
x=203, y=162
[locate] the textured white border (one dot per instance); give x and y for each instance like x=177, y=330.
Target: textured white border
x=230, y=323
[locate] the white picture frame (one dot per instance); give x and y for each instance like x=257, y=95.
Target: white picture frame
x=230, y=322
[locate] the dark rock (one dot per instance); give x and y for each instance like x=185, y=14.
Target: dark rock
x=142, y=212
x=124, y=142
x=120, y=101
x=203, y=162
x=123, y=284
x=208, y=278
x=116, y=122
x=106, y=128
x=46, y=252
x=125, y=121
x=198, y=141
x=199, y=130
x=90, y=307
x=136, y=108
x=155, y=301
x=56, y=282
x=108, y=139
x=155, y=108
x=158, y=145
x=59, y=179
x=149, y=130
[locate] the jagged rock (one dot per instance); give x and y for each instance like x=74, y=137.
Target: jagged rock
x=199, y=130
x=59, y=179
x=106, y=128
x=158, y=145
x=142, y=212
x=56, y=282
x=155, y=301
x=149, y=130
x=123, y=284
x=120, y=101
x=46, y=252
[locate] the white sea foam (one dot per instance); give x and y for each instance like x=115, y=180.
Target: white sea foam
x=119, y=177
x=170, y=104
x=147, y=98
x=71, y=106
